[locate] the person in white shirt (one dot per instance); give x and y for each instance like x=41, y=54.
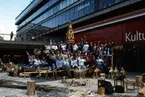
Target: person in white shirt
x=66, y=66
x=47, y=48
x=74, y=63
x=37, y=62
x=86, y=47
x=54, y=47
x=44, y=62
x=63, y=47
x=75, y=47
x=81, y=62
x=65, y=62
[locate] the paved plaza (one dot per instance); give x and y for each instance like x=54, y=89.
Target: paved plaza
x=91, y=85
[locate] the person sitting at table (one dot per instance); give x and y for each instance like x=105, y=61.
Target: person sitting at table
x=66, y=66
x=74, y=63
x=81, y=62
x=44, y=62
x=59, y=63
x=37, y=62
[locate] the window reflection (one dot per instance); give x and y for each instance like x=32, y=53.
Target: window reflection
x=80, y=10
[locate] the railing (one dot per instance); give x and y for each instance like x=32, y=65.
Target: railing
x=7, y=37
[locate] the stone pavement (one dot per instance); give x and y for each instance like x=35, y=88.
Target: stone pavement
x=91, y=83
x=7, y=92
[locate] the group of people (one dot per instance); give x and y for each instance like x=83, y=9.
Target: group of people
x=65, y=56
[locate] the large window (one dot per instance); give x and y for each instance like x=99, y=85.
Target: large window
x=34, y=3
x=80, y=10
x=85, y=8
x=107, y=3
x=50, y=12
x=38, y=12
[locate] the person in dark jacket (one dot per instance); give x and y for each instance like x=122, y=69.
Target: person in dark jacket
x=11, y=35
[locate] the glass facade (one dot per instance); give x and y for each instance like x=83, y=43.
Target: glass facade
x=59, y=12
x=37, y=17
x=107, y=3
x=38, y=12
x=32, y=5
x=76, y=12
x=50, y=11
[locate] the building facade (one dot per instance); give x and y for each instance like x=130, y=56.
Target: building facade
x=121, y=21
x=42, y=16
x=48, y=19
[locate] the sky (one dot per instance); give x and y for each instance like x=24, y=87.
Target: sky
x=9, y=10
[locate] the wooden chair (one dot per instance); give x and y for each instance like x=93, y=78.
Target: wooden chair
x=139, y=82
x=131, y=82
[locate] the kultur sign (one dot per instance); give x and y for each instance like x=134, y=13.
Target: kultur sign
x=132, y=37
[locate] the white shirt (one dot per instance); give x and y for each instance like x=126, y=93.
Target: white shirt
x=82, y=62
x=85, y=47
x=54, y=47
x=37, y=62
x=75, y=47
x=65, y=62
x=43, y=62
x=47, y=47
x=63, y=47
x=100, y=61
x=31, y=60
x=74, y=63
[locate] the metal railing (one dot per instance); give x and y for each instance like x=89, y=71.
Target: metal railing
x=7, y=38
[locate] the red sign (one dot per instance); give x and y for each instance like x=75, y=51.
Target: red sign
x=132, y=30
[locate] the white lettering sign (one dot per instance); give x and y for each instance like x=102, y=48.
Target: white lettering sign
x=131, y=37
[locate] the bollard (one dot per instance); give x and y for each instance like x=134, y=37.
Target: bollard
x=30, y=88
x=101, y=91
